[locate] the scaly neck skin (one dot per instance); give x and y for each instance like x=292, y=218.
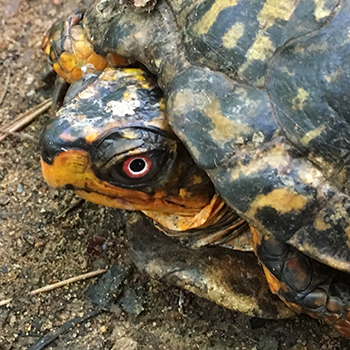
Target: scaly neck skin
x=150, y=38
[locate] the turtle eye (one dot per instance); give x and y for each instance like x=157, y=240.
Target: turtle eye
x=137, y=166
x=137, y=170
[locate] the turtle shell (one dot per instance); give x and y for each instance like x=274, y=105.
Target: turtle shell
x=268, y=119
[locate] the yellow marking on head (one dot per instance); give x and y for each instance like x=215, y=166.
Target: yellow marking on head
x=310, y=135
x=298, y=102
x=90, y=133
x=66, y=136
x=182, y=192
x=276, y=9
x=283, y=200
x=321, y=12
x=126, y=96
x=230, y=38
x=160, y=122
x=208, y=19
x=91, y=137
x=87, y=93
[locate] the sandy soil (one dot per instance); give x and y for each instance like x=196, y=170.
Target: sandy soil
x=42, y=243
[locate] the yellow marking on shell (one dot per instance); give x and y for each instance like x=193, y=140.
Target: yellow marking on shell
x=283, y=200
x=262, y=49
x=285, y=70
x=316, y=253
x=320, y=11
x=319, y=224
x=208, y=19
x=230, y=38
x=224, y=128
x=195, y=179
x=299, y=48
x=298, y=102
x=182, y=192
x=334, y=76
x=160, y=122
x=310, y=135
x=318, y=47
x=276, y=157
x=276, y=9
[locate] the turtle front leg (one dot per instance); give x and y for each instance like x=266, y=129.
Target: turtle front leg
x=304, y=284
x=72, y=55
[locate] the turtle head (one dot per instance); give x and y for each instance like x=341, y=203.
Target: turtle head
x=112, y=145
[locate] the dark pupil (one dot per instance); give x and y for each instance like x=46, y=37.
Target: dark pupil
x=137, y=165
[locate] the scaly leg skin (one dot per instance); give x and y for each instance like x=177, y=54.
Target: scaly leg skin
x=72, y=55
x=304, y=284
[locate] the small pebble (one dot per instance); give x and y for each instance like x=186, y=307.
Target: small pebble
x=4, y=200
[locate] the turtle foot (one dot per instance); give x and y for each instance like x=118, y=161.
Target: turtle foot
x=306, y=285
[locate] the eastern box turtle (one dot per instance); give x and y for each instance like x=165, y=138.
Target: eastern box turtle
x=257, y=91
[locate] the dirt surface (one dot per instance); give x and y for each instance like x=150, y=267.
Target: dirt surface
x=47, y=236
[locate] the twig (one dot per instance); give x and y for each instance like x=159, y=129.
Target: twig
x=49, y=338
x=60, y=284
x=7, y=82
x=25, y=118
x=5, y=302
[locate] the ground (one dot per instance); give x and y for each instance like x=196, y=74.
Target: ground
x=48, y=236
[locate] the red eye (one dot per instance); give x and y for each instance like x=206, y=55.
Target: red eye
x=137, y=166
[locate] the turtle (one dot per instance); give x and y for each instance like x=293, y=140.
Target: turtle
x=257, y=92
